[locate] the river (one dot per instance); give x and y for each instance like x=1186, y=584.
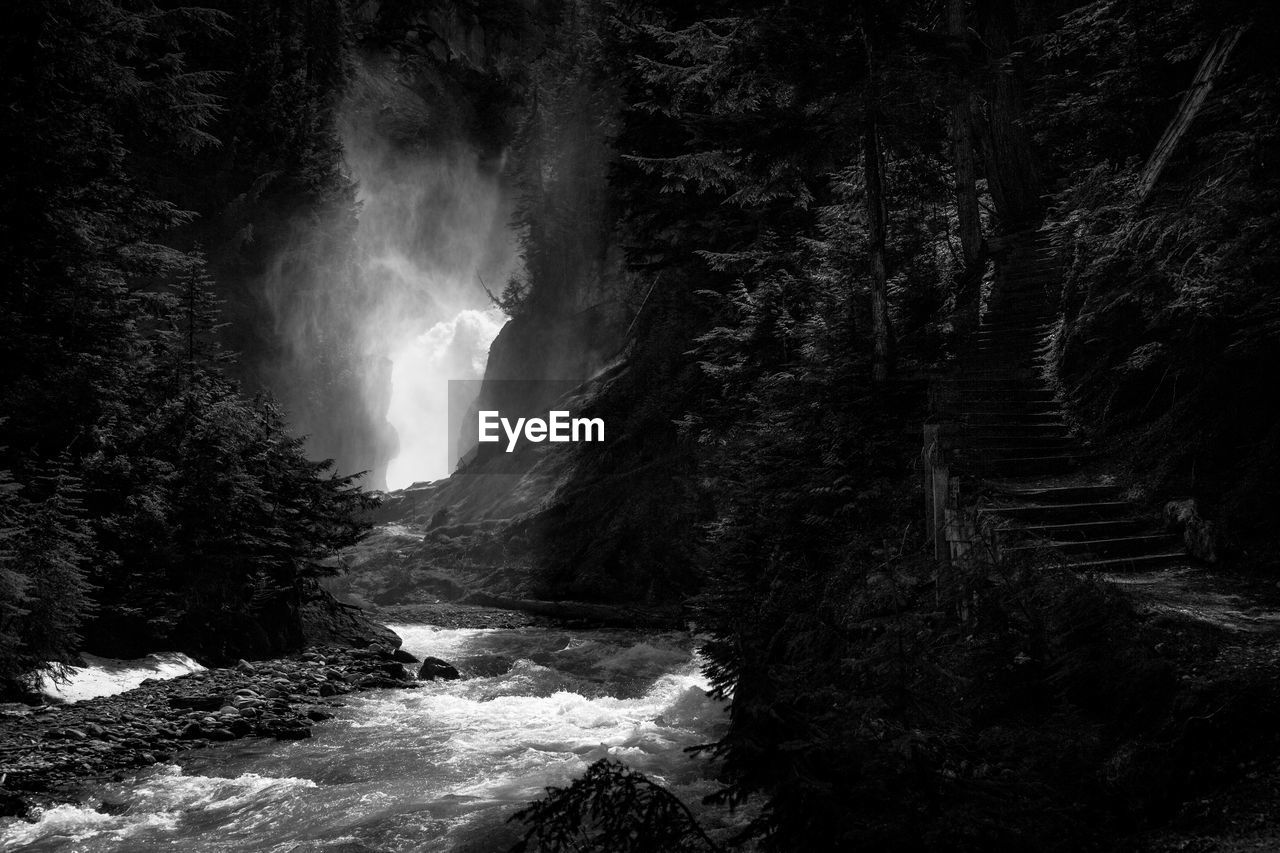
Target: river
x=440, y=768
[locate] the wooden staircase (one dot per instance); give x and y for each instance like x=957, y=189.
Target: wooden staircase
x=1007, y=444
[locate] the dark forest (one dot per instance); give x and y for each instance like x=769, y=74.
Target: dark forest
x=936, y=346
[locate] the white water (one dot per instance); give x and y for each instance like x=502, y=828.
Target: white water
x=432, y=235
x=108, y=676
x=435, y=769
x=418, y=409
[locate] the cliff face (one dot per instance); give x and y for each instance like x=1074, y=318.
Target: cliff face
x=570, y=308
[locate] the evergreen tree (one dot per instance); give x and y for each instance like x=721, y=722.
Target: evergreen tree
x=44, y=596
x=134, y=460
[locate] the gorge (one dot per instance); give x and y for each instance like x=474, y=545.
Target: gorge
x=931, y=347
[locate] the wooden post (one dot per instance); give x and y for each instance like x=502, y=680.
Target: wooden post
x=941, y=499
x=937, y=492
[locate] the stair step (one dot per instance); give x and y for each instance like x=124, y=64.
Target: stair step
x=1031, y=273
x=1010, y=432
x=1009, y=363
x=974, y=391
x=1074, y=530
x=1031, y=267
x=1040, y=465
x=1017, y=306
x=1062, y=513
x=1011, y=304
x=994, y=454
x=1029, y=348
x=1002, y=380
x=999, y=398
x=1132, y=563
x=1010, y=419
x=1028, y=341
x=1060, y=494
x=1035, y=350
x=1038, y=442
x=997, y=457
x=1044, y=288
x=991, y=326
x=1133, y=546
x=1027, y=354
x=1023, y=310
x=1019, y=332
x=999, y=418
x=1008, y=320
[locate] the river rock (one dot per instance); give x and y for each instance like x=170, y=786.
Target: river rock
x=396, y=671
x=290, y=730
x=433, y=668
x=113, y=805
x=197, y=702
x=47, y=749
x=487, y=666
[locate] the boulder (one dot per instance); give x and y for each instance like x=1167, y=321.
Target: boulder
x=12, y=805
x=1201, y=538
x=433, y=668
x=327, y=621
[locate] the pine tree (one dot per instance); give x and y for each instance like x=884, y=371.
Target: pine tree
x=43, y=555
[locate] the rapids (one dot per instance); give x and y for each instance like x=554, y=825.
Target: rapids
x=440, y=768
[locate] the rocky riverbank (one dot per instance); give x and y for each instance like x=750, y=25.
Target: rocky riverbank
x=49, y=752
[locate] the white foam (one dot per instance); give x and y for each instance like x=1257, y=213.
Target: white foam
x=108, y=676
x=157, y=803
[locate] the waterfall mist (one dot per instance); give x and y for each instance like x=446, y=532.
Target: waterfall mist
x=432, y=228
x=407, y=310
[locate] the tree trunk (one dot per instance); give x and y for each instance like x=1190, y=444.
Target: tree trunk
x=962, y=146
x=881, y=327
x=965, y=318
x=1214, y=60
x=1013, y=176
